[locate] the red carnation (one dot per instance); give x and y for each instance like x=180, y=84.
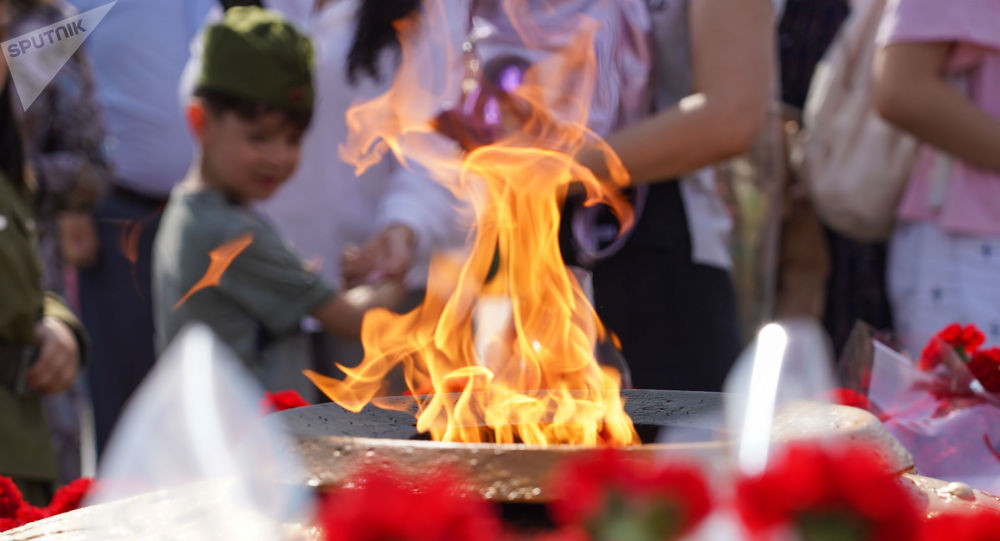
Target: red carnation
x=10, y=498
x=985, y=365
x=931, y=356
x=281, y=401
x=385, y=507
x=980, y=526
x=951, y=333
x=971, y=338
x=30, y=513
x=965, y=340
x=14, y=511
x=850, y=397
x=69, y=497
x=815, y=488
x=607, y=489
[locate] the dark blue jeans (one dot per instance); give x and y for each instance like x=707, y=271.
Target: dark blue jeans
x=117, y=307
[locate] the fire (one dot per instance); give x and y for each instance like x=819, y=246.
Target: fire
x=536, y=379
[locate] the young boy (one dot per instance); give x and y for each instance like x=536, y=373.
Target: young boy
x=252, y=104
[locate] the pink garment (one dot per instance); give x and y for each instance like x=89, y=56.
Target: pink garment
x=961, y=198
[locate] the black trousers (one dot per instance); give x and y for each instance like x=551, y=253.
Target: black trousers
x=676, y=320
x=117, y=307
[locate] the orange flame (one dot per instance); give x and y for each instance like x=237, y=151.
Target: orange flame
x=535, y=379
x=219, y=260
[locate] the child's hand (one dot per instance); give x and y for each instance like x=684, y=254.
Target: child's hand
x=343, y=314
x=385, y=294
x=388, y=255
x=354, y=266
x=389, y=293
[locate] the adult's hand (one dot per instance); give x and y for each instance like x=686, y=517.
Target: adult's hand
x=58, y=358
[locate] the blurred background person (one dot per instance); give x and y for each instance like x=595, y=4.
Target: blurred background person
x=41, y=341
x=249, y=139
x=138, y=52
x=63, y=138
x=937, y=76
x=667, y=292
x=384, y=224
x=835, y=278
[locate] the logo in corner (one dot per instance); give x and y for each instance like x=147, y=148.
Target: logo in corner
x=35, y=58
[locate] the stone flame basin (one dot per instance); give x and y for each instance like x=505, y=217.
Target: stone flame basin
x=336, y=444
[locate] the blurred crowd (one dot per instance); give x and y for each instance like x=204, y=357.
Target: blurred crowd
x=185, y=128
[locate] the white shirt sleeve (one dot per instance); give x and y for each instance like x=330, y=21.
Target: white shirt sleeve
x=429, y=209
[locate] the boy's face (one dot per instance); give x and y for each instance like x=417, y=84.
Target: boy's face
x=248, y=159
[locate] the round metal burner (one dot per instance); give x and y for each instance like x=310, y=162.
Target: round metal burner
x=337, y=444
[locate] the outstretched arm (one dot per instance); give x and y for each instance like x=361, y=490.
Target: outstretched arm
x=342, y=314
x=733, y=59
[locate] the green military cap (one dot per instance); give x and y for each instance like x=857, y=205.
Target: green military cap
x=256, y=54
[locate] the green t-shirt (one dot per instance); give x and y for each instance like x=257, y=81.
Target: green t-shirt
x=260, y=298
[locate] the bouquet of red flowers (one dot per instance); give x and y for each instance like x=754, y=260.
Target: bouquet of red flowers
x=838, y=493
x=963, y=343
x=945, y=408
